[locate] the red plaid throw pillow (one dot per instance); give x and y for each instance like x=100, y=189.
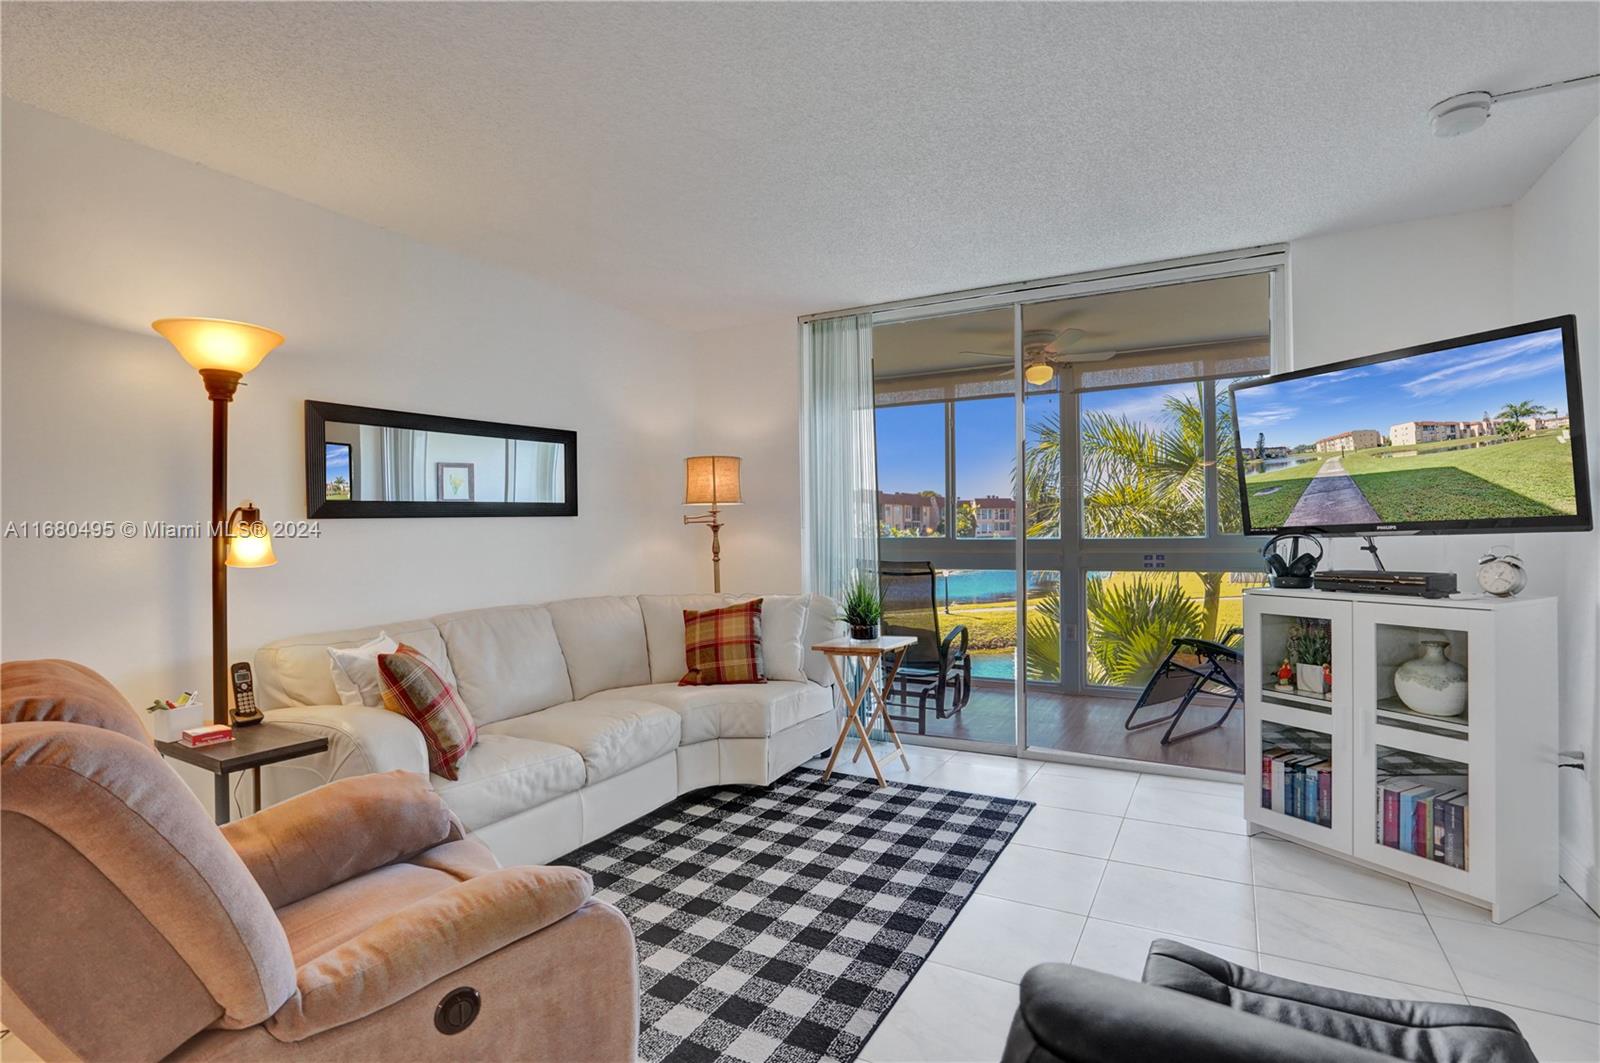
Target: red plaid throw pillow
x=723, y=645
x=413, y=687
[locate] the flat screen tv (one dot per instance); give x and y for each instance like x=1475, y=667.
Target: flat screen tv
x=1463, y=435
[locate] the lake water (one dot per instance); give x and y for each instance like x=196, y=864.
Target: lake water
x=1252, y=466
x=1467, y=445
x=985, y=585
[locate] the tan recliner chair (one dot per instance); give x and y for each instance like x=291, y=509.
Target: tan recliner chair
x=353, y=922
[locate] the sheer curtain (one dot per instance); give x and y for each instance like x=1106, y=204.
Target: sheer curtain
x=840, y=529
x=400, y=464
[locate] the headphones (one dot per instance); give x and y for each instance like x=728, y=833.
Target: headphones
x=1295, y=572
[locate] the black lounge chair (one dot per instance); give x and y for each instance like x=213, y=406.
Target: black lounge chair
x=937, y=672
x=1217, y=668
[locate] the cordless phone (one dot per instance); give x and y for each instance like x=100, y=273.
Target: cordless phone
x=245, y=712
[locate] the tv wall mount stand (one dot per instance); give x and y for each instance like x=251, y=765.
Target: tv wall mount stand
x=1372, y=548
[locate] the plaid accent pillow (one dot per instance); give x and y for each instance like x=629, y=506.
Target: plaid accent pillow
x=723, y=645
x=413, y=687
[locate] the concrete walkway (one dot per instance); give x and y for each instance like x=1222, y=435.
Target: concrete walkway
x=1332, y=497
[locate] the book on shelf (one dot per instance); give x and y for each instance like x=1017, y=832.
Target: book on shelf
x=1389, y=818
x=1424, y=815
x=1297, y=783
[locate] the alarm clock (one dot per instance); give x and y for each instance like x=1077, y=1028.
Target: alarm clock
x=1502, y=575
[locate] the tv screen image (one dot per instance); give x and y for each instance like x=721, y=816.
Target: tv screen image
x=1478, y=432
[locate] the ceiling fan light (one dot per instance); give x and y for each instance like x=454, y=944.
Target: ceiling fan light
x=1039, y=374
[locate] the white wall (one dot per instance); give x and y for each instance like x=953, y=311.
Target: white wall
x=750, y=406
x=1377, y=289
x=102, y=419
x=1556, y=270
x=1352, y=293
x=1371, y=290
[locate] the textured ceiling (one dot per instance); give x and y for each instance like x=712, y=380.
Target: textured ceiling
x=708, y=164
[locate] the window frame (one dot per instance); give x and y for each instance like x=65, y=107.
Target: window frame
x=1216, y=551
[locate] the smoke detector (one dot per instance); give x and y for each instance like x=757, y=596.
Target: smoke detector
x=1467, y=111
x=1460, y=114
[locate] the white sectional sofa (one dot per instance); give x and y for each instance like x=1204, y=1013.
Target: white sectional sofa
x=581, y=724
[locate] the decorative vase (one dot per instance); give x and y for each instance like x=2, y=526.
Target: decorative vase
x=1308, y=677
x=863, y=632
x=1432, y=684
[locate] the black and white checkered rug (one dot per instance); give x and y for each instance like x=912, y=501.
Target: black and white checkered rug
x=781, y=923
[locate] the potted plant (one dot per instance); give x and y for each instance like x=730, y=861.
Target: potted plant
x=1315, y=650
x=862, y=609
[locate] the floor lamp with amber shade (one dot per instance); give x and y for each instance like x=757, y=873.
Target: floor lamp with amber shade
x=711, y=480
x=224, y=351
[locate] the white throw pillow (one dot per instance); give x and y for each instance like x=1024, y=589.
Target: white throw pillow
x=783, y=627
x=355, y=671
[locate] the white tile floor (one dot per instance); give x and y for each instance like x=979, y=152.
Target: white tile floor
x=1109, y=861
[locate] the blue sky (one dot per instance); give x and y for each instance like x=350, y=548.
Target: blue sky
x=1457, y=384
x=338, y=462
x=911, y=445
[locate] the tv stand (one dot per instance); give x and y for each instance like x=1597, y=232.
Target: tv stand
x=1497, y=754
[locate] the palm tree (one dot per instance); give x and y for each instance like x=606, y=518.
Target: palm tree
x=1042, y=481
x=1139, y=481
x=1044, y=638
x=966, y=520
x=1132, y=622
x=1512, y=415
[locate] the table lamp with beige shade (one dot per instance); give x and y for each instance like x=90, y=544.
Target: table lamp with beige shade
x=224, y=351
x=711, y=480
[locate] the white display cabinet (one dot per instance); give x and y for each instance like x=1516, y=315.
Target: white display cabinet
x=1464, y=804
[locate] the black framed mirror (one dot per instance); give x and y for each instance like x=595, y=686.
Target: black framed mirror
x=367, y=462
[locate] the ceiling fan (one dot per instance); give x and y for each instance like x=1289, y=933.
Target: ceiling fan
x=1045, y=349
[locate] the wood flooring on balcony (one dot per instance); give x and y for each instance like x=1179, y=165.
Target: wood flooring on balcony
x=1093, y=724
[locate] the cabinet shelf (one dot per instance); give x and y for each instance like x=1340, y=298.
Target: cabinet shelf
x=1393, y=710
x=1295, y=716
x=1322, y=704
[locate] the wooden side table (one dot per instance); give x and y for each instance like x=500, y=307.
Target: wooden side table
x=890, y=649
x=251, y=748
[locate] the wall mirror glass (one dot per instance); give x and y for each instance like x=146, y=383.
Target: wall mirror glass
x=365, y=462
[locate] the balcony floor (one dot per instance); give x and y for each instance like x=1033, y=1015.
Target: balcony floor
x=1093, y=724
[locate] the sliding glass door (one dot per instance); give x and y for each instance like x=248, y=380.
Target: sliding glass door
x=946, y=428
x=1062, y=469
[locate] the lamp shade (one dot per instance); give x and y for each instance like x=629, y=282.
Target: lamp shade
x=711, y=480
x=249, y=540
x=213, y=343
x=1039, y=374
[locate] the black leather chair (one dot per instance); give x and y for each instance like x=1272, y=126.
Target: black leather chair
x=1199, y=1008
x=936, y=671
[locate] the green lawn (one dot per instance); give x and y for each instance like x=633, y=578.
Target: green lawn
x=992, y=626
x=1526, y=478
x=1286, y=485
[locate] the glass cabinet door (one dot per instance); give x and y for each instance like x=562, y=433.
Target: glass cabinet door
x=1421, y=762
x=1299, y=684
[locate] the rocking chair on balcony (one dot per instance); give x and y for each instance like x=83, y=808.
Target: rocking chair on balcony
x=1213, y=668
x=936, y=671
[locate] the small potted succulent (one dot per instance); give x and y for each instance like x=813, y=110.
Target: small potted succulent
x=1313, y=660
x=862, y=609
